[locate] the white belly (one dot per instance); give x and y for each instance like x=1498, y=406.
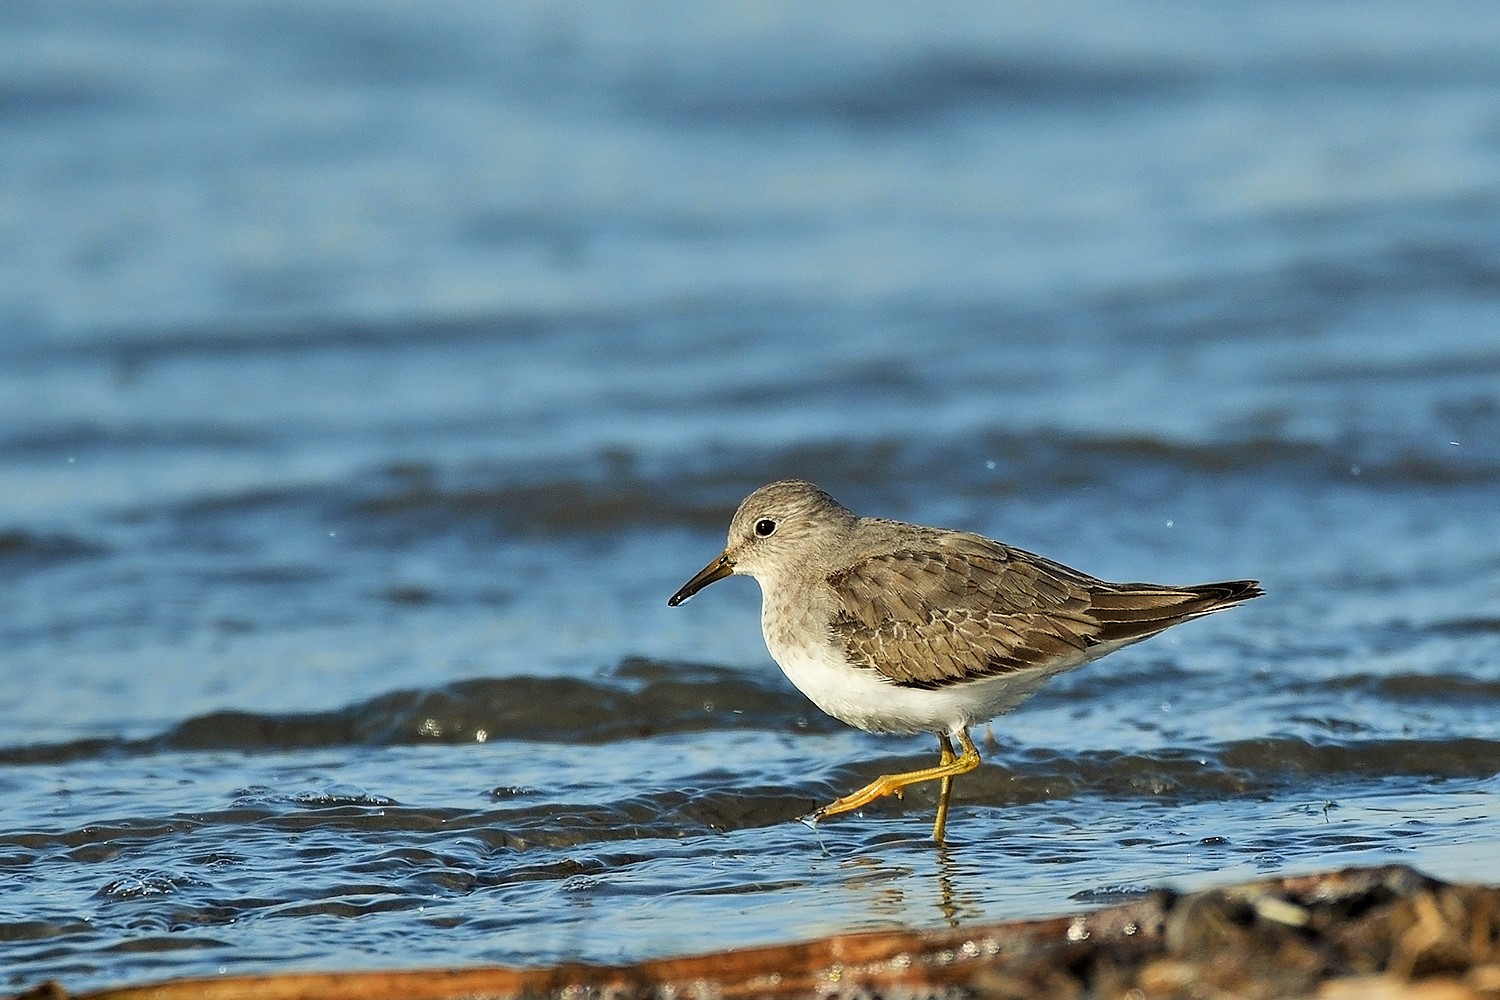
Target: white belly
x=865, y=699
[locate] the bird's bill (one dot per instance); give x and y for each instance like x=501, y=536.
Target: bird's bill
x=716, y=570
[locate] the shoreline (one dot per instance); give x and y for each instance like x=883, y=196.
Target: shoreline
x=1360, y=932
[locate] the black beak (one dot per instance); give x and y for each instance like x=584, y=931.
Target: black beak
x=716, y=570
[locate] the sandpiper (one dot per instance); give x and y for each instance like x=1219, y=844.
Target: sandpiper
x=900, y=628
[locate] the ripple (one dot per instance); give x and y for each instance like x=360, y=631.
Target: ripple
x=147, y=883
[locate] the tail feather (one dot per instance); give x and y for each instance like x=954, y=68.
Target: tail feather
x=1127, y=611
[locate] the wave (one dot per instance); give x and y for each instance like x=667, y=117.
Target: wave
x=639, y=701
x=644, y=699
x=22, y=550
x=911, y=87
x=1408, y=687
x=132, y=348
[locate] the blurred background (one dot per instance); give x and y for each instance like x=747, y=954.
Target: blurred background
x=371, y=372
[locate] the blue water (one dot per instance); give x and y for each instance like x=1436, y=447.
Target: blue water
x=371, y=374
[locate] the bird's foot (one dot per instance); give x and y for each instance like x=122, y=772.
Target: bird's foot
x=895, y=784
x=886, y=784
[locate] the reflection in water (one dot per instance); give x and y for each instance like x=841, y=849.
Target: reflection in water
x=959, y=897
x=880, y=884
x=902, y=893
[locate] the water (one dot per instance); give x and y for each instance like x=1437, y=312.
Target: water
x=370, y=375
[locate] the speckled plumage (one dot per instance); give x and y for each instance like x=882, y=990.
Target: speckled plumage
x=960, y=608
x=896, y=627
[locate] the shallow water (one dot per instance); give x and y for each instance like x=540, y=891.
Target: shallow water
x=370, y=377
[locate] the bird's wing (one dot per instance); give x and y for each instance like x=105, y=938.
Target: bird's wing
x=963, y=607
x=950, y=613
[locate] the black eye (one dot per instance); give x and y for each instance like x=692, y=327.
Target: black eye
x=764, y=526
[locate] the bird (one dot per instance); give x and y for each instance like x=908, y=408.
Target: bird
x=901, y=628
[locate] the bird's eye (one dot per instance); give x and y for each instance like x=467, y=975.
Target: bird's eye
x=764, y=526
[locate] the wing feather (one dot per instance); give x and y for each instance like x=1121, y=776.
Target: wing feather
x=964, y=608
x=925, y=618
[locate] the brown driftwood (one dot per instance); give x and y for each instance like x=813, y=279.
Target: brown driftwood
x=1378, y=933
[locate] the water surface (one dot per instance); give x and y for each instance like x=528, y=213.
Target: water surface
x=370, y=376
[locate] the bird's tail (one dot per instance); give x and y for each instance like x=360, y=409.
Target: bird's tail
x=1128, y=611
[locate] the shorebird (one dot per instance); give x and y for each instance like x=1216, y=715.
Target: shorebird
x=900, y=628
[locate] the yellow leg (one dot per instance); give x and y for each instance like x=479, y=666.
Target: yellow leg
x=940, y=825
x=892, y=784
